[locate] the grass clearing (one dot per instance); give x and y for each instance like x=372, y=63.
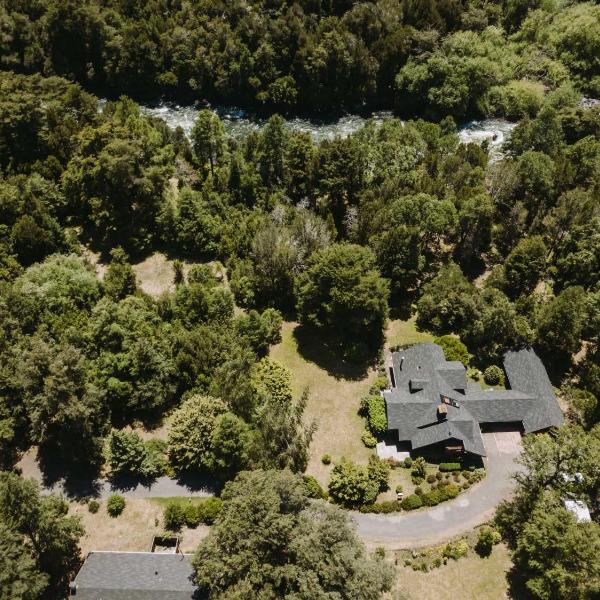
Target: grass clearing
x=404, y=333
x=133, y=530
x=469, y=578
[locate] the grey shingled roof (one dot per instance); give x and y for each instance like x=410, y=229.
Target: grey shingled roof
x=134, y=576
x=412, y=404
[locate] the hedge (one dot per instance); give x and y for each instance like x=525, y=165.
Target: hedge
x=376, y=415
x=450, y=466
x=381, y=507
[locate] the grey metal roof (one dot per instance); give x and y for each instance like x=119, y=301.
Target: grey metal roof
x=134, y=576
x=412, y=405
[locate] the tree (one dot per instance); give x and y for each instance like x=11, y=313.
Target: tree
x=560, y=323
x=272, y=380
x=571, y=571
x=20, y=578
x=190, y=441
x=342, y=293
x=41, y=522
x=453, y=349
x=128, y=454
x=524, y=266
x=208, y=138
x=270, y=542
x=354, y=485
x=120, y=280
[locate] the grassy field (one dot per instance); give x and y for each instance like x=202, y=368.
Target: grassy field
x=469, y=578
x=133, y=530
x=334, y=398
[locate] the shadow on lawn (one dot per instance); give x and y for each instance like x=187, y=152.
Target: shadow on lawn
x=327, y=353
x=517, y=588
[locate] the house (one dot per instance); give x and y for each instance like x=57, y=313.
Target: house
x=432, y=405
x=134, y=576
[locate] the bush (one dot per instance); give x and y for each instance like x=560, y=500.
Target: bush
x=191, y=516
x=453, y=349
x=379, y=472
x=376, y=414
x=93, y=506
x=326, y=459
x=466, y=474
x=209, y=510
x=439, y=476
x=368, y=439
x=450, y=491
x=416, y=480
x=115, y=505
x=313, y=489
x=418, y=491
x=433, y=498
x=488, y=538
x=456, y=550
x=449, y=466
x=493, y=375
x=411, y=502
x=466, y=485
x=408, y=462
x=430, y=478
x=399, y=488
x=173, y=516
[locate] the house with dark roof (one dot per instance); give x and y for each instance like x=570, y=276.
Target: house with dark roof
x=431, y=404
x=134, y=576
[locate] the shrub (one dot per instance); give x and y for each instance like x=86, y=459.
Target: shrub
x=326, y=459
x=209, y=510
x=313, y=488
x=416, y=480
x=376, y=414
x=493, y=375
x=439, y=476
x=408, y=462
x=412, y=502
x=466, y=474
x=191, y=516
x=115, y=505
x=379, y=472
x=466, y=485
x=173, y=516
x=437, y=563
x=399, y=488
x=488, y=538
x=449, y=466
x=456, y=550
x=351, y=484
x=450, y=491
x=368, y=439
x=430, y=478
x=419, y=467
x=433, y=498
x=453, y=349
x=93, y=506
x=418, y=491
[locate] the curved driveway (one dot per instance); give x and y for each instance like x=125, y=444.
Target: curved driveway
x=469, y=509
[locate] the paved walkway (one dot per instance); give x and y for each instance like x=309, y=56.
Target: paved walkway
x=469, y=509
x=423, y=527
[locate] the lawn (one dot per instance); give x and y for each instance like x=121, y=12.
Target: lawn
x=335, y=394
x=469, y=578
x=133, y=530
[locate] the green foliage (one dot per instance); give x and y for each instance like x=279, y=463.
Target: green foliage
x=351, y=484
x=450, y=466
x=343, y=293
x=93, y=506
x=419, y=467
x=381, y=508
x=486, y=540
x=525, y=265
x=128, y=454
x=313, y=488
x=209, y=510
x=287, y=534
x=453, y=349
x=376, y=414
x=174, y=516
x=411, y=502
x=115, y=505
x=493, y=375
x=326, y=459
x=272, y=379
x=120, y=280
x=456, y=550
x=368, y=439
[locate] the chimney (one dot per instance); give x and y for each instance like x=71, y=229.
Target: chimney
x=442, y=412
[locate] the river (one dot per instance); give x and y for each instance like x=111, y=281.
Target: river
x=238, y=124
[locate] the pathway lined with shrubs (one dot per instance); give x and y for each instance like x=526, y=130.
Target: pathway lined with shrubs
x=433, y=525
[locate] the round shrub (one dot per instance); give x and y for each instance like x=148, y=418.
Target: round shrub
x=449, y=466
x=493, y=375
x=450, y=491
x=439, y=476
x=209, y=510
x=93, y=506
x=399, y=488
x=408, y=462
x=418, y=491
x=326, y=459
x=411, y=502
x=453, y=349
x=173, y=516
x=430, y=478
x=466, y=485
x=368, y=439
x=191, y=516
x=433, y=498
x=115, y=505
x=466, y=474
x=488, y=538
x=456, y=550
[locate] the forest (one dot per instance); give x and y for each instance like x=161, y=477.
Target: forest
x=396, y=219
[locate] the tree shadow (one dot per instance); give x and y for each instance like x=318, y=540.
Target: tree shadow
x=328, y=353
x=77, y=478
x=201, y=482
x=517, y=588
